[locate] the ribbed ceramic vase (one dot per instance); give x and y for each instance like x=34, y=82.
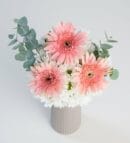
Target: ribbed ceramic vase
x=66, y=120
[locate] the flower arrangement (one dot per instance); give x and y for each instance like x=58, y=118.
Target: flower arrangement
x=67, y=67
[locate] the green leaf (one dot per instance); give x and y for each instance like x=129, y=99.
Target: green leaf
x=30, y=40
x=96, y=51
x=20, y=57
x=11, y=36
x=13, y=42
x=109, y=39
x=22, y=30
x=31, y=61
x=29, y=54
x=28, y=64
x=112, y=41
x=31, y=44
x=115, y=74
x=22, y=21
x=35, y=44
x=22, y=49
x=17, y=46
x=31, y=35
x=28, y=45
x=104, y=53
x=106, y=46
x=106, y=36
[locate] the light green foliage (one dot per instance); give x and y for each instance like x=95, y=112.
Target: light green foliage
x=114, y=74
x=20, y=57
x=11, y=36
x=28, y=47
x=106, y=46
x=109, y=39
x=12, y=42
x=103, y=49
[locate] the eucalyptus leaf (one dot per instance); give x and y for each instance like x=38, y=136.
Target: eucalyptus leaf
x=112, y=41
x=20, y=57
x=106, y=46
x=13, y=42
x=31, y=35
x=31, y=44
x=11, y=36
x=17, y=46
x=104, y=53
x=22, y=49
x=109, y=39
x=35, y=44
x=26, y=64
x=29, y=54
x=96, y=51
x=26, y=46
x=115, y=74
x=23, y=52
x=22, y=21
x=30, y=40
x=106, y=36
x=29, y=63
x=22, y=30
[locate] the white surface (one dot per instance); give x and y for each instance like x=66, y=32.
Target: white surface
x=24, y=119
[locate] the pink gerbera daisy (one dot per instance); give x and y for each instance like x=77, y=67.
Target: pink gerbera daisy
x=65, y=44
x=48, y=80
x=91, y=74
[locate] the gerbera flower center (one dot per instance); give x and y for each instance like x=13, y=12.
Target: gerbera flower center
x=68, y=44
x=90, y=74
x=50, y=79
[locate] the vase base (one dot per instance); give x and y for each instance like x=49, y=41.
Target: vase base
x=66, y=120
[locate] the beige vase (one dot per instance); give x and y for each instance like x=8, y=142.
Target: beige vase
x=66, y=120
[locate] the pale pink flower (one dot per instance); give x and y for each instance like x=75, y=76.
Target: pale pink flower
x=65, y=44
x=91, y=74
x=47, y=80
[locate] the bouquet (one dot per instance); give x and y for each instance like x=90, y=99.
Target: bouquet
x=67, y=67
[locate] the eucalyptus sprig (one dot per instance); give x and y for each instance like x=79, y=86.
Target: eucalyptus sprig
x=26, y=48
x=102, y=50
x=114, y=73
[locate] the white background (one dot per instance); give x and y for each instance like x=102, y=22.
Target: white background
x=24, y=119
